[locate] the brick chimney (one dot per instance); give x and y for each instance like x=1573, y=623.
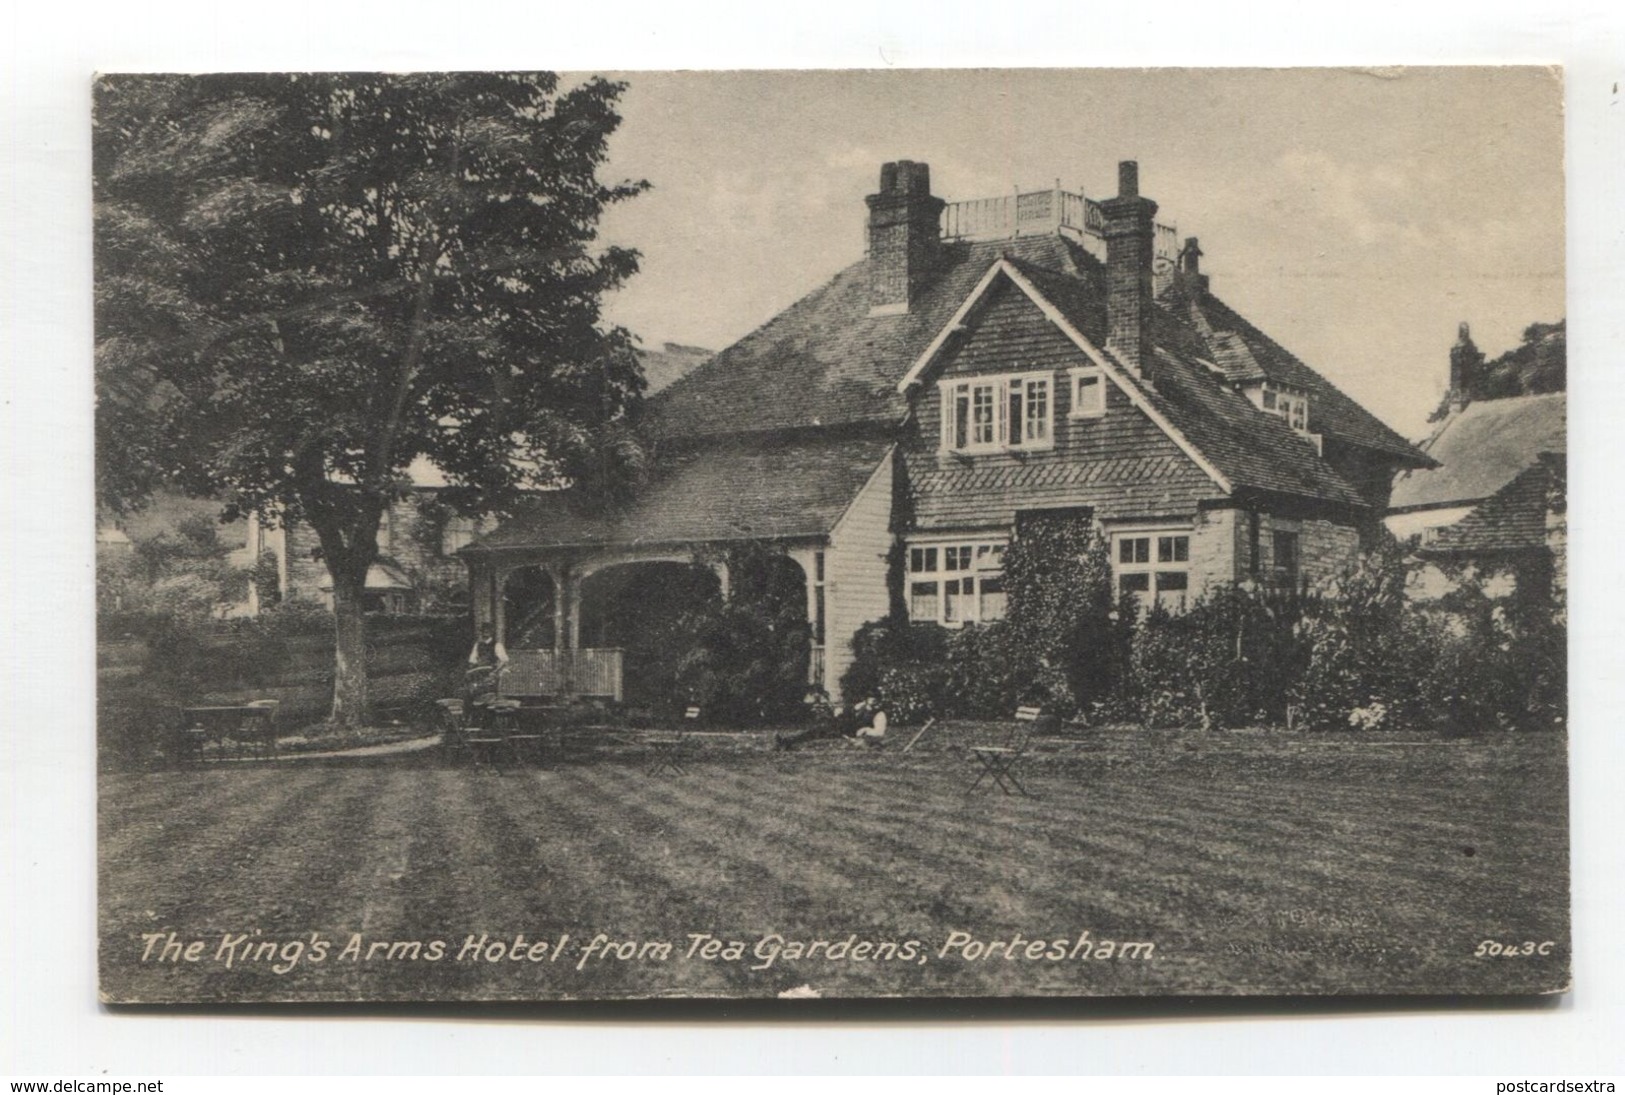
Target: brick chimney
x=1466, y=368
x=1189, y=272
x=905, y=230
x=1129, y=226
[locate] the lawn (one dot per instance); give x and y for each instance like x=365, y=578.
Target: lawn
x=1252, y=863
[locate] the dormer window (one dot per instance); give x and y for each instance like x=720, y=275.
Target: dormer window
x=1290, y=403
x=994, y=413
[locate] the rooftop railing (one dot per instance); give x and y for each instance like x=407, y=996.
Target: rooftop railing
x=1038, y=212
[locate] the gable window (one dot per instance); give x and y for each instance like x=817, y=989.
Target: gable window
x=956, y=583
x=1290, y=404
x=1154, y=567
x=1088, y=393
x=987, y=414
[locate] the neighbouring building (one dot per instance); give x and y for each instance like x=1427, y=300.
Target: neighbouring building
x=418, y=567
x=1478, y=446
x=1518, y=536
x=1496, y=496
x=985, y=360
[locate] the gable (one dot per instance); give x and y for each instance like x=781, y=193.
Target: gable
x=1121, y=463
x=1007, y=334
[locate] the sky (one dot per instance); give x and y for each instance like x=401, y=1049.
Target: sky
x=1357, y=216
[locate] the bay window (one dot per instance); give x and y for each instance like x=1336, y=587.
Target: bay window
x=956, y=583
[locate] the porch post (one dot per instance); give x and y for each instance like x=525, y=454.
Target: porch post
x=479, y=592
x=560, y=574
x=572, y=596
x=499, y=614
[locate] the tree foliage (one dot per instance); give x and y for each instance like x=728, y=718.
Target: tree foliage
x=305, y=282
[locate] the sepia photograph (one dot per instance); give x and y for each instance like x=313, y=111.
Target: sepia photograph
x=977, y=533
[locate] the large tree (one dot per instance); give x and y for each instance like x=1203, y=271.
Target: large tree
x=304, y=282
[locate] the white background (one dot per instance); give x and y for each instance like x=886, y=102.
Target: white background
x=51, y=1026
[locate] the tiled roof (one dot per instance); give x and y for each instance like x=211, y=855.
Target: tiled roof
x=1245, y=354
x=825, y=361
x=664, y=367
x=992, y=490
x=736, y=490
x=1481, y=447
x=1512, y=519
x=1253, y=449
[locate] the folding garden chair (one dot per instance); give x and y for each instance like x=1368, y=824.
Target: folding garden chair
x=998, y=763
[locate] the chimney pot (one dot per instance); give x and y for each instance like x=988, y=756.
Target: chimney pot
x=1466, y=368
x=1190, y=257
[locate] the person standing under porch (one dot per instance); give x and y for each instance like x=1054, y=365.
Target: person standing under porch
x=486, y=661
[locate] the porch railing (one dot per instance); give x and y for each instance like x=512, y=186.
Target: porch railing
x=591, y=671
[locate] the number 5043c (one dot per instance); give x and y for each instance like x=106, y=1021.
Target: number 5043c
x=1489, y=948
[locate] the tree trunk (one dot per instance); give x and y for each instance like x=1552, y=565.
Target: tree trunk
x=352, y=700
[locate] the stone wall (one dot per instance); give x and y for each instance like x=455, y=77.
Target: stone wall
x=1216, y=539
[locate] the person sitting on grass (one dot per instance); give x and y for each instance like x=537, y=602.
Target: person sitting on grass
x=875, y=732
x=864, y=723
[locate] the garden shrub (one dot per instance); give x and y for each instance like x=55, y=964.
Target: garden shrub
x=1354, y=654
x=1061, y=626
x=913, y=653
x=1364, y=649
x=745, y=660
x=1229, y=660
x=1058, y=647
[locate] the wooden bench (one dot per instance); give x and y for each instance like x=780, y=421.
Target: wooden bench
x=998, y=762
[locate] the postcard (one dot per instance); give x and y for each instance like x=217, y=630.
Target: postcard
x=935, y=533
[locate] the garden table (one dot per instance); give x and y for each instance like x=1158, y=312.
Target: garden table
x=240, y=723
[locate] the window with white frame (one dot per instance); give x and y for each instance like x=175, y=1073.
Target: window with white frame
x=990, y=413
x=956, y=583
x=1154, y=567
x=1291, y=405
x=1088, y=392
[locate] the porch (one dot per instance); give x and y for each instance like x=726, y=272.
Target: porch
x=601, y=623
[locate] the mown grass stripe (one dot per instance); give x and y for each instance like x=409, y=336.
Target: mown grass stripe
x=136, y=812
